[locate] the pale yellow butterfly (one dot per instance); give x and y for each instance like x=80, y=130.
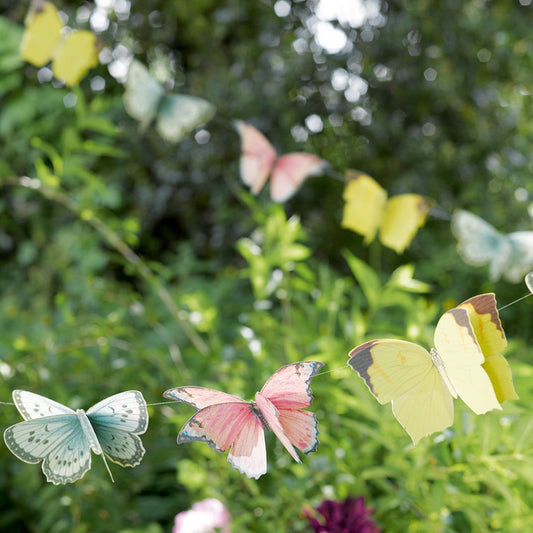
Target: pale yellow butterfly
x=465, y=362
x=367, y=210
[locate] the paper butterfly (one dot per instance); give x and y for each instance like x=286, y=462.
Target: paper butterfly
x=225, y=421
x=510, y=255
x=176, y=115
x=465, y=362
x=63, y=439
x=259, y=160
x=72, y=54
x=367, y=210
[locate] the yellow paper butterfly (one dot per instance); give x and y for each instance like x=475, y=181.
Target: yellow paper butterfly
x=466, y=362
x=367, y=210
x=44, y=39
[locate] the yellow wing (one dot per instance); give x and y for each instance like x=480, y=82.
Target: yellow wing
x=459, y=357
x=488, y=329
x=403, y=216
x=364, y=205
x=76, y=54
x=403, y=372
x=42, y=35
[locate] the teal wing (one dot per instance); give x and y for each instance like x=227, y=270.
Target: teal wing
x=179, y=114
x=117, y=421
x=58, y=441
x=143, y=94
x=480, y=243
x=31, y=405
x=521, y=257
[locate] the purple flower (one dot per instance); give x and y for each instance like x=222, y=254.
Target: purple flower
x=350, y=516
x=203, y=517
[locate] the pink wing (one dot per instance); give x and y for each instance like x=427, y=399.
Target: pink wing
x=289, y=390
x=257, y=157
x=199, y=397
x=290, y=171
x=271, y=416
x=290, y=386
x=230, y=424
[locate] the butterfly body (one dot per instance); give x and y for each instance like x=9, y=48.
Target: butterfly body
x=224, y=421
x=421, y=385
x=259, y=161
x=509, y=255
x=175, y=115
x=63, y=439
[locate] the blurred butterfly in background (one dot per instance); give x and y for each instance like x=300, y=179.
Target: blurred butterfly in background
x=225, y=421
x=465, y=362
x=509, y=255
x=367, y=210
x=259, y=161
x=175, y=115
x=63, y=439
x=46, y=39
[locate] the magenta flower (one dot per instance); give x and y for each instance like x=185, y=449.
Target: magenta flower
x=207, y=516
x=350, y=516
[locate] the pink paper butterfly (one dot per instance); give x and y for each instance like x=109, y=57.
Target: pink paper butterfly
x=259, y=160
x=224, y=421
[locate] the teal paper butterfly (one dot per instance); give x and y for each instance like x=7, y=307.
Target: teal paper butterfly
x=175, y=115
x=510, y=255
x=63, y=439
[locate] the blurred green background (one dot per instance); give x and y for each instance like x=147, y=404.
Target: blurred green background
x=139, y=264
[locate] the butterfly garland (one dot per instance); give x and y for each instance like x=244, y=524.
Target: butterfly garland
x=72, y=54
x=466, y=362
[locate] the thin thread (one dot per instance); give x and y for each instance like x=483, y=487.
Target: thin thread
x=332, y=370
x=161, y=403
x=514, y=302
x=7, y=403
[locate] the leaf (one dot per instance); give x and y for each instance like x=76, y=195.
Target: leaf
x=367, y=278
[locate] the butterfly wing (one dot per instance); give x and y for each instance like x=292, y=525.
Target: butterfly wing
x=31, y=405
x=281, y=399
x=364, y=205
x=485, y=321
x=403, y=373
x=75, y=56
x=479, y=243
x=459, y=350
x=199, y=397
x=234, y=424
x=521, y=256
x=289, y=171
x=528, y=280
x=42, y=35
x=142, y=95
x=404, y=214
x=57, y=440
x=179, y=114
x=117, y=421
x=257, y=156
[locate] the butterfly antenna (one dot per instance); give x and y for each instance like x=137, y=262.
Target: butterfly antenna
x=107, y=468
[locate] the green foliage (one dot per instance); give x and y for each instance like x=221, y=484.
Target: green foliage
x=129, y=263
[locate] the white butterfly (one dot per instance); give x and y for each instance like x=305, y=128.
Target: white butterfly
x=510, y=254
x=63, y=439
x=176, y=115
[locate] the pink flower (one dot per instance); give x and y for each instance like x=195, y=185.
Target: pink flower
x=203, y=517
